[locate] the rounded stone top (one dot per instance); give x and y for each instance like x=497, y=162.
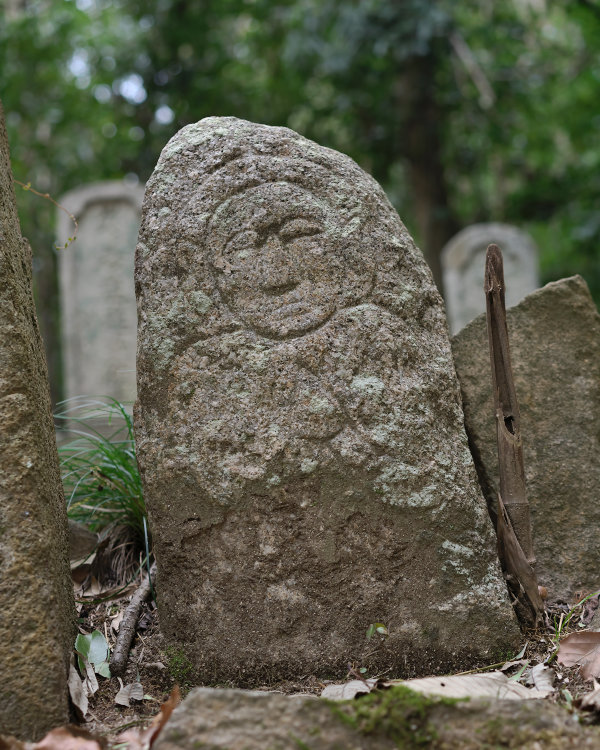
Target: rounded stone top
x=256, y=227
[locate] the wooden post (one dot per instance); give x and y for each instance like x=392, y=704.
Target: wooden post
x=513, y=524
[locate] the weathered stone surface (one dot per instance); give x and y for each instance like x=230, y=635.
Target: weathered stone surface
x=239, y=720
x=98, y=311
x=463, y=260
x=299, y=427
x=36, y=595
x=555, y=348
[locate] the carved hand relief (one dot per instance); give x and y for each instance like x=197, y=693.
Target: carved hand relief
x=280, y=257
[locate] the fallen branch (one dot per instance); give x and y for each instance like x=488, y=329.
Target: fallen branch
x=513, y=524
x=118, y=660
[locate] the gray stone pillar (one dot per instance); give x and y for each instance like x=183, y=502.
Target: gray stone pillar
x=463, y=263
x=98, y=315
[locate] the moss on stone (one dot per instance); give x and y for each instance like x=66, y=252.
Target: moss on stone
x=397, y=713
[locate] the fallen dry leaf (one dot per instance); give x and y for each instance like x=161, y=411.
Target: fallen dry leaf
x=348, y=690
x=482, y=685
x=115, y=621
x=90, y=682
x=543, y=678
x=590, y=701
x=8, y=742
x=583, y=649
x=70, y=738
x=143, y=739
x=134, y=691
x=77, y=691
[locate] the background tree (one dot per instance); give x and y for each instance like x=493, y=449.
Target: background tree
x=463, y=111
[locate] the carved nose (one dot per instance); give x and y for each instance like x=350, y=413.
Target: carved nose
x=277, y=276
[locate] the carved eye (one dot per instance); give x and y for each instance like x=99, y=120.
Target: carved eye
x=240, y=246
x=299, y=228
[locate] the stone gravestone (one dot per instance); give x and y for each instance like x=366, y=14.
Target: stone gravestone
x=37, y=612
x=298, y=423
x=555, y=349
x=464, y=257
x=97, y=293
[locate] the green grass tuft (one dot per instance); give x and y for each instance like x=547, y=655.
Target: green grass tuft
x=103, y=490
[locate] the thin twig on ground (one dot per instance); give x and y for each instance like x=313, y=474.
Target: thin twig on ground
x=118, y=660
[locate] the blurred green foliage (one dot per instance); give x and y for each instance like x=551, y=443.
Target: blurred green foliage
x=478, y=111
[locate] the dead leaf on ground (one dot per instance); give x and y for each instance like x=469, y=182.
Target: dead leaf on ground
x=590, y=701
x=542, y=678
x=8, y=742
x=143, y=739
x=482, y=685
x=77, y=691
x=132, y=692
x=589, y=610
x=79, y=572
x=70, y=738
x=349, y=690
x=115, y=621
x=582, y=649
x=90, y=682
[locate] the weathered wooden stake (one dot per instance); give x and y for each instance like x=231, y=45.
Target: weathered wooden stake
x=513, y=524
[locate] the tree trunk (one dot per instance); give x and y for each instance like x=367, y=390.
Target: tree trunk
x=422, y=146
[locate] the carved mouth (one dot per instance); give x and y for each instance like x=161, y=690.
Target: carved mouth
x=277, y=291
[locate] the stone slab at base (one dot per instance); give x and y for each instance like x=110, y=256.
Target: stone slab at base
x=232, y=719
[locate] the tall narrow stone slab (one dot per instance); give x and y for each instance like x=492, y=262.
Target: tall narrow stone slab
x=36, y=595
x=464, y=257
x=555, y=350
x=97, y=294
x=298, y=424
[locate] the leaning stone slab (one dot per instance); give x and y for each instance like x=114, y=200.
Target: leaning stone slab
x=299, y=427
x=463, y=257
x=37, y=612
x=555, y=349
x=219, y=719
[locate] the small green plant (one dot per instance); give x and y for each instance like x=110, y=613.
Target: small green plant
x=376, y=627
x=179, y=666
x=93, y=649
x=103, y=489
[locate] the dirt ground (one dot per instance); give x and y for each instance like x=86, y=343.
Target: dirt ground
x=149, y=665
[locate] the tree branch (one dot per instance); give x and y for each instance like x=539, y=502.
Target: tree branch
x=120, y=654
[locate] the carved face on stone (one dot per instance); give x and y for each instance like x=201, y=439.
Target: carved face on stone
x=283, y=260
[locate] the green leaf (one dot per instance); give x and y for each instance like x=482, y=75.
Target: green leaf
x=94, y=649
x=103, y=669
x=376, y=627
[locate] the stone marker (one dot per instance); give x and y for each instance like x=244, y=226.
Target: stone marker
x=37, y=612
x=298, y=423
x=97, y=294
x=555, y=348
x=464, y=257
